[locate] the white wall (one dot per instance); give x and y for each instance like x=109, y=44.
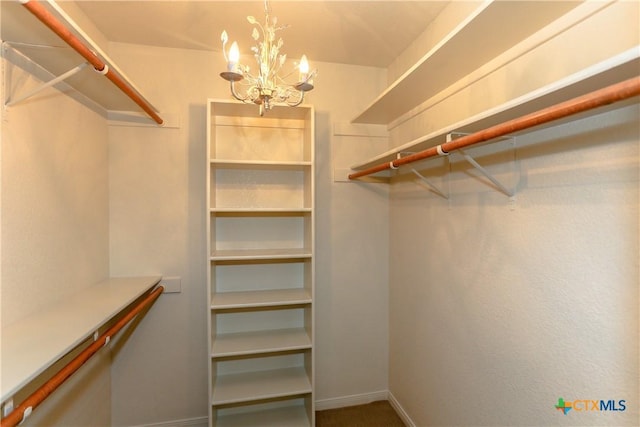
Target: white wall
x=497, y=309
x=54, y=226
x=157, y=216
x=492, y=305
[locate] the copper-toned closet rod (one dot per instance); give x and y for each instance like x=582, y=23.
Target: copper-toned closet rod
x=61, y=30
x=608, y=95
x=37, y=397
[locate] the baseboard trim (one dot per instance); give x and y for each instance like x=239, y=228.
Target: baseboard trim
x=189, y=422
x=352, y=400
x=400, y=410
x=332, y=403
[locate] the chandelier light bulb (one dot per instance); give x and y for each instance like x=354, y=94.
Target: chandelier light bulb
x=234, y=57
x=304, y=67
x=304, y=64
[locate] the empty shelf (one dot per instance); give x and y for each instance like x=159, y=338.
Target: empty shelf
x=32, y=345
x=259, y=164
x=252, y=386
x=38, y=44
x=258, y=254
x=246, y=343
x=256, y=299
x=293, y=416
x=230, y=211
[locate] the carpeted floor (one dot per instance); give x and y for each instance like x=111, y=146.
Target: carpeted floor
x=376, y=414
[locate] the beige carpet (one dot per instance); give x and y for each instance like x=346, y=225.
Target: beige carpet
x=376, y=414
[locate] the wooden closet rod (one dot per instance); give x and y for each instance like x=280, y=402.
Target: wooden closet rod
x=61, y=30
x=608, y=95
x=23, y=410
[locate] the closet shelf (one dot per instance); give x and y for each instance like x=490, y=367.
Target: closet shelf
x=29, y=44
x=259, y=254
x=482, y=36
x=253, y=386
x=260, y=165
x=32, y=345
x=259, y=342
x=613, y=70
x=257, y=299
x=290, y=416
x=260, y=211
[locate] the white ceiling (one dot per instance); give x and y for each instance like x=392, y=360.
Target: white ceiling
x=369, y=33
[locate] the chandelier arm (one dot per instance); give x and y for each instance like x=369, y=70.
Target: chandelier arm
x=235, y=94
x=299, y=101
x=284, y=78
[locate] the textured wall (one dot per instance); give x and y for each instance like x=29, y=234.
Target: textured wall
x=524, y=303
x=499, y=308
x=55, y=225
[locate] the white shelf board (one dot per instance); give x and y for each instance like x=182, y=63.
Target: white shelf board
x=261, y=211
x=33, y=39
x=482, y=36
x=247, y=343
x=293, y=416
x=260, y=254
x=253, y=386
x=32, y=345
x=259, y=164
x=256, y=299
x=227, y=110
x=611, y=71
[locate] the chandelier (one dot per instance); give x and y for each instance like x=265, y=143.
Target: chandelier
x=265, y=87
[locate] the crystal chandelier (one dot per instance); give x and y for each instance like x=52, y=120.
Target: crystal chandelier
x=265, y=87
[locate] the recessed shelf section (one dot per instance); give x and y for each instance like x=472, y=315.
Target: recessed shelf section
x=278, y=230
x=261, y=187
x=252, y=386
x=250, y=343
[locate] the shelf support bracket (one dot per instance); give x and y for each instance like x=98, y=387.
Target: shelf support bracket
x=487, y=174
x=482, y=170
x=75, y=70
x=432, y=186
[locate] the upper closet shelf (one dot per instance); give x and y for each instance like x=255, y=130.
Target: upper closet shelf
x=65, y=49
x=611, y=71
x=481, y=37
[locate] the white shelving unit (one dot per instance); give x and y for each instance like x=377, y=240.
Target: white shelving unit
x=260, y=228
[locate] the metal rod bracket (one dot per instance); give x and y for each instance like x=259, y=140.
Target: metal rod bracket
x=481, y=169
x=487, y=174
x=11, y=102
x=431, y=186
